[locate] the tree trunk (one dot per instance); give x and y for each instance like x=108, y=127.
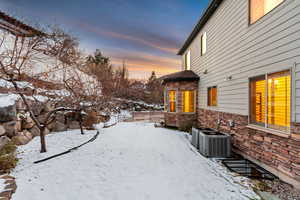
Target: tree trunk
x=43, y=141
x=80, y=124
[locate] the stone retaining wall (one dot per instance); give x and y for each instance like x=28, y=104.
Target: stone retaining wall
x=280, y=152
x=10, y=187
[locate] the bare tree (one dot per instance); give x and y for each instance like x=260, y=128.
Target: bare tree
x=43, y=56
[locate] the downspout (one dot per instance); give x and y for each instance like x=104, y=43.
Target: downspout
x=295, y=92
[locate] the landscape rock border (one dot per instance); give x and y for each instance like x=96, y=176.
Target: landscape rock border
x=10, y=187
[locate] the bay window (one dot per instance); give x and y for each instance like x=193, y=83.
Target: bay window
x=259, y=8
x=188, y=101
x=270, y=101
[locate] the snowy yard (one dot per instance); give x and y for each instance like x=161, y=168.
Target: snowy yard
x=130, y=161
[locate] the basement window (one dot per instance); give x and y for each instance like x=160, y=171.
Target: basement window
x=270, y=101
x=212, y=96
x=188, y=100
x=259, y=8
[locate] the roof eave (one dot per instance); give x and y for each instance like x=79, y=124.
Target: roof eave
x=213, y=6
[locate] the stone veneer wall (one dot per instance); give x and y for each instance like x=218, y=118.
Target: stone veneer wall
x=180, y=119
x=277, y=153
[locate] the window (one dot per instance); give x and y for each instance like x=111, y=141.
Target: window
x=212, y=96
x=203, y=44
x=187, y=61
x=188, y=101
x=270, y=101
x=259, y=8
x=171, y=101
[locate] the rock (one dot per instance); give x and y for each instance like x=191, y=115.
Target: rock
x=8, y=113
x=28, y=123
x=60, y=117
x=38, y=108
x=35, y=131
x=20, y=139
x=10, y=128
x=73, y=125
x=42, y=118
x=3, y=141
x=90, y=119
x=48, y=107
x=28, y=134
x=18, y=126
x=58, y=127
x=2, y=130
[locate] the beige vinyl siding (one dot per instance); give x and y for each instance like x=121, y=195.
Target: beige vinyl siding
x=240, y=50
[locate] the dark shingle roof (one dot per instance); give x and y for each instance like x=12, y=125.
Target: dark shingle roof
x=17, y=27
x=186, y=75
x=213, y=6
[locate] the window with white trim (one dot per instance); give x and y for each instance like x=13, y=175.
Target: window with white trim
x=270, y=101
x=259, y=8
x=187, y=60
x=203, y=44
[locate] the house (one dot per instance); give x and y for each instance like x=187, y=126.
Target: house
x=241, y=75
x=16, y=27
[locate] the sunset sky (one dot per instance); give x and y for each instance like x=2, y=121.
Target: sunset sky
x=146, y=34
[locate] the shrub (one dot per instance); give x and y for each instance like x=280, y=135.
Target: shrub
x=8, y=159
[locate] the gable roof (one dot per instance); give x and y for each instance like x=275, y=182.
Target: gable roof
x=212, y=7
x=186, y=75
x=17, y=27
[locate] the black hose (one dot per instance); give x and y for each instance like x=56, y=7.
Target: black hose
x=70, y=150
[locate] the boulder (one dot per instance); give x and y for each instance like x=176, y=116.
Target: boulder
x=2, y=130
x=48, y=107
x=20, y=139
x=3, y=141
x=73, y=125
x=10, y=128
x=28, y=123
x=8, y=113
x=42, y=118
x=35, y=131
x=59, y=127
x=91, y=119
x=38, y=108
x=28, y=134
x=18, y=126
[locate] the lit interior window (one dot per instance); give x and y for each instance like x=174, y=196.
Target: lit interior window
x=188, y=60
x=259, y=8
x=172, y=101
x=203, y=44
x=212, y=96
x=273, y=110
x=279, y=100
x=188, y=99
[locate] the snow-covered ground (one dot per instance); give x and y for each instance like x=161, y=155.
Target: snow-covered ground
x=130, y=161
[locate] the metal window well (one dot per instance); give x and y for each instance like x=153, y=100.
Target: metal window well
x=247, y=168
x=211, y=143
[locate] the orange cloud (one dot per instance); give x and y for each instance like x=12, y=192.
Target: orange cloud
x=142, y=66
